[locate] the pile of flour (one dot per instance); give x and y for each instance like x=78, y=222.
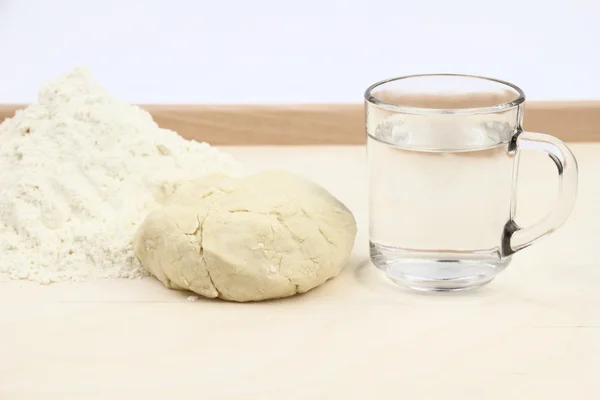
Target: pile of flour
x=79, y=171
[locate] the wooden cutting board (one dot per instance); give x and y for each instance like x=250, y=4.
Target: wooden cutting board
x=533, y=333
x=333, y=124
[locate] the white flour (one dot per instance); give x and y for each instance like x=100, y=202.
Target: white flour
x=79, y=171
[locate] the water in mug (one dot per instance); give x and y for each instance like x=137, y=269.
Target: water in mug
x=437, y=218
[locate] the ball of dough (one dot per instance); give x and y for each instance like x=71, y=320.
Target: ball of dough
x=269, y=235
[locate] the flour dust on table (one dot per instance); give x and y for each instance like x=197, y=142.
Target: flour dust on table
x=79, y=171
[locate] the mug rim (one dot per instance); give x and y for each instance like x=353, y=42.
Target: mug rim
x=369, y=98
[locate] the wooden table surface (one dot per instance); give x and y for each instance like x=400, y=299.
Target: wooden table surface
x=533, y=333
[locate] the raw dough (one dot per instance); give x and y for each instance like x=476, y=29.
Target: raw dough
x=269, y=235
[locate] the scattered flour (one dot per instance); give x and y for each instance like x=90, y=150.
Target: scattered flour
x=79, y=171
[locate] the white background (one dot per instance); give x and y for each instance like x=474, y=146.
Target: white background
x=303, y=51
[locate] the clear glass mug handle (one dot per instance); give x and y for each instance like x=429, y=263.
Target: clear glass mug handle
x=516, y=238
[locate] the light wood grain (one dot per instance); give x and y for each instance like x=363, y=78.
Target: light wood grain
x=576, y=121
x=533, y=333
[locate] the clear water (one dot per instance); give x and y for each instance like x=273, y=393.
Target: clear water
x=437, y=218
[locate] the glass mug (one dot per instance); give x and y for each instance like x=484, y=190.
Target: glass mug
x=443, y=160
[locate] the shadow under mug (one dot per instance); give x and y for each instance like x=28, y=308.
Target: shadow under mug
x=443, y=162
